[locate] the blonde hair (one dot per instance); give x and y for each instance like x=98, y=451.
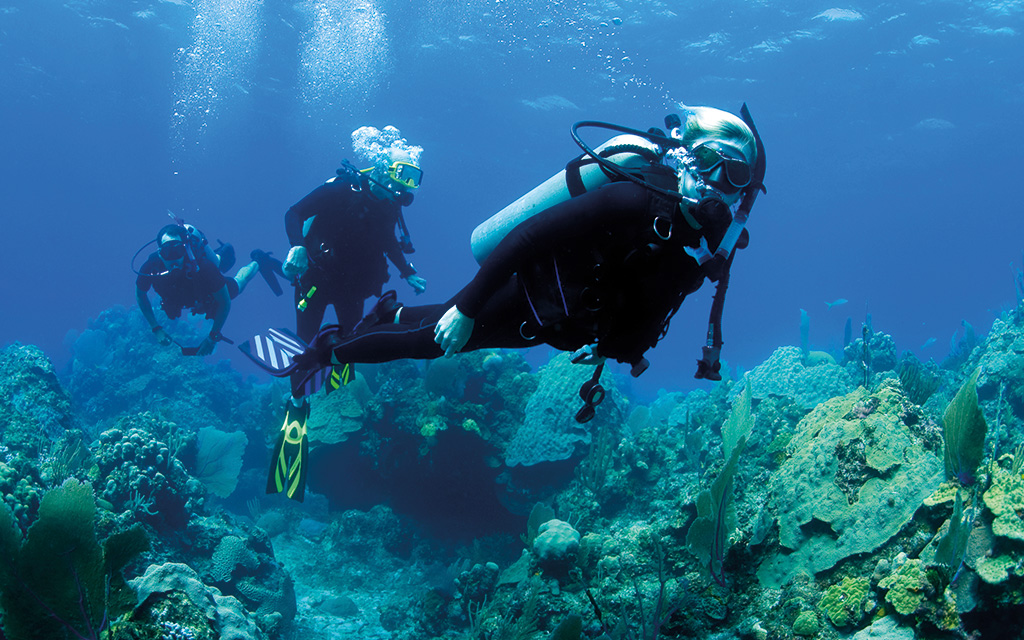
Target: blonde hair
x=708, y=122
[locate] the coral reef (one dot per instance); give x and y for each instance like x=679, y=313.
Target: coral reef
x=805, y=500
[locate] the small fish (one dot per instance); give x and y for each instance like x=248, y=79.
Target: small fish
x=837, y=302
x=927, y=343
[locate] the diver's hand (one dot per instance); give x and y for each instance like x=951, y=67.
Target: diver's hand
x=418, y=284
x=453, y=331
x=587, y=355
x=296, y=263
x=161, y=336
x=205, y=347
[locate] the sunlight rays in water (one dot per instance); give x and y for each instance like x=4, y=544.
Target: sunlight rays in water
x=226, y=37
x=344, y=54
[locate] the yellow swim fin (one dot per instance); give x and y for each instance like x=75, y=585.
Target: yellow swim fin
x=291, y=453
x=341, y=375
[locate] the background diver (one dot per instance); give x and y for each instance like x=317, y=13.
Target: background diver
x=186, y=273
x=595, y=261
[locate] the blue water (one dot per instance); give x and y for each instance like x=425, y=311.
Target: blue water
x=891, y=132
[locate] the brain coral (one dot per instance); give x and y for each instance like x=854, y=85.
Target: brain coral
x=854, y=476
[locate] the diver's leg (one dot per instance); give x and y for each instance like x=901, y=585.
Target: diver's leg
x=413, y=338
x=349, y=310
x=308, y=318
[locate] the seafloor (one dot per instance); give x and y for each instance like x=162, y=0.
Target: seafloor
x=861, y=494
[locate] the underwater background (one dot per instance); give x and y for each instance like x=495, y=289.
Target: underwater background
x=831, y=486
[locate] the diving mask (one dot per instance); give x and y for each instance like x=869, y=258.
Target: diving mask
x=707, y=159
x=172, y=251
x=405, y=174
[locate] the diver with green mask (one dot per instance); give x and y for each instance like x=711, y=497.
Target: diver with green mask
x=342, y=236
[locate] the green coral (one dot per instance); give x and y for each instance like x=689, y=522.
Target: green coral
x=708, y=536
x=843, y=603
x=964, y=431
x=853, y=502
x=996, y=570
x=806, y=624
x=905, y=586
x=432, y=426
x=60, y=581
x=1005, y=499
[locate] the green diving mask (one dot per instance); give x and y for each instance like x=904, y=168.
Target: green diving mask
x=406, y=174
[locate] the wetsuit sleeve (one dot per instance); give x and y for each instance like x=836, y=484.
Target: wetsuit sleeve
x=393, y=250
x=316, y=201
x=152, y=265
x=569, y=222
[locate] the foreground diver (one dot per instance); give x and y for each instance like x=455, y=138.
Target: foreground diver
x=588, y=265
x=186, y=272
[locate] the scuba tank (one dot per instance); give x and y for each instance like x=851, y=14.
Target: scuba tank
x=628, y=151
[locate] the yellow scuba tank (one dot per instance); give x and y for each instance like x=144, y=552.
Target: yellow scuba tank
x=627, y=151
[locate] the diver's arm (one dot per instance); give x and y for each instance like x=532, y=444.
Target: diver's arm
x=394, y=253
x=223, y=301
x=146, y=307
x=320, y=200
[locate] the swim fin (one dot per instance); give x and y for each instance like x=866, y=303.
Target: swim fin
x=225, y=256
x=291, y=453
x=341, y=375
x=270, y=268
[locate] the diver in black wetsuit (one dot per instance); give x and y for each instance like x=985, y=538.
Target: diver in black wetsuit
x=342, y=231
x=186, y=273
x=601, y=273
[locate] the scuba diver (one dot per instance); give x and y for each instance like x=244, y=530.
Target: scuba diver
x=341, y=232
x=342, y=235
x=595, y=261
x=186, y=272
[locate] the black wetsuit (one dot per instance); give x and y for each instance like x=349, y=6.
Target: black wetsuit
x=608, y=266
x=351, y=233
x=185, y=288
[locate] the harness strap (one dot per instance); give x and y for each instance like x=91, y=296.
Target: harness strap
x=573, y=177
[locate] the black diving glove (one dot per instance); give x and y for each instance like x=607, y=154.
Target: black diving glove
x=708, y=367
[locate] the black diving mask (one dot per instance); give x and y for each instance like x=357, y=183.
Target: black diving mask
x=707, y=159
x=172, y=251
